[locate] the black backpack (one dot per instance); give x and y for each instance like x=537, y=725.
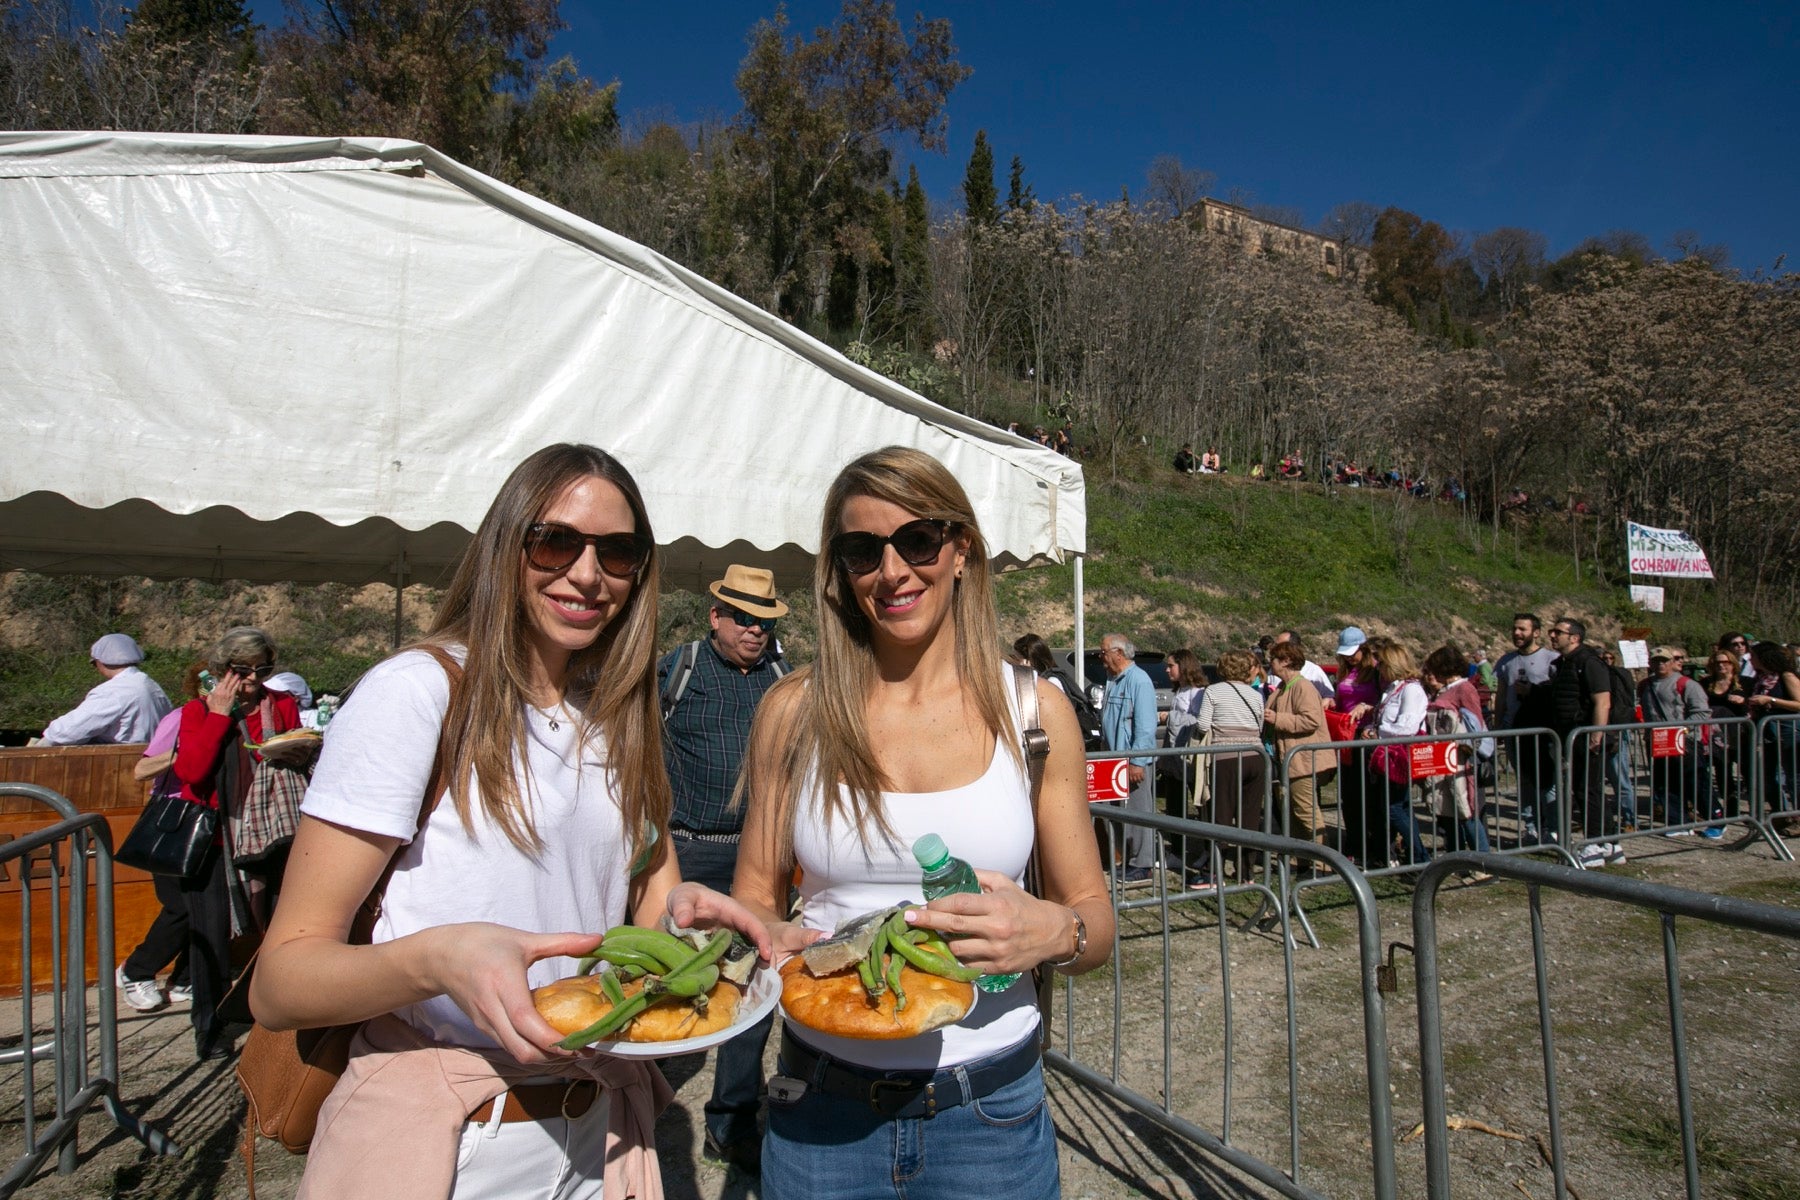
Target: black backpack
x=1624, y=697
x=1086, y=715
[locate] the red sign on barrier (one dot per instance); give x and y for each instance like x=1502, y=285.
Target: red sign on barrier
x=1668, y=743
x=1432, y=759
x=1107, y=780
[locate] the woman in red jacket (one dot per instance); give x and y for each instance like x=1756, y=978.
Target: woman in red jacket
x=213, y=763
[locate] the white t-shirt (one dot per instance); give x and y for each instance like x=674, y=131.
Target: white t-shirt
x=988, y=825
x=372, y=775
x=1534, y=668
x=1314, y=674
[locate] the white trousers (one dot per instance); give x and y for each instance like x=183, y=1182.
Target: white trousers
x=553, y=1159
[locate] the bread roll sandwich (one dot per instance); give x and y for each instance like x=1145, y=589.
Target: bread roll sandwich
x=574, y=1004
x=877, y=977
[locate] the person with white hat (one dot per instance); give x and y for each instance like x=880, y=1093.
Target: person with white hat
x=124, y=707
x=710, y=692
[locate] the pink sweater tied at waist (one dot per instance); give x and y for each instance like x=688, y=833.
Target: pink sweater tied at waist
x=392, y=1125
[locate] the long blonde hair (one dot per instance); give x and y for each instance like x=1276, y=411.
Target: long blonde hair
x=827, y=732
x=611, y=681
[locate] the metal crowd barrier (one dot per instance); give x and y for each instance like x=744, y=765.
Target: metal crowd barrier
x=1383, y=825
x=1775, y=772
x=1668, y=902
x=54, y=860
x=1669, y=779
x=1144, y=947
x=1223, y=784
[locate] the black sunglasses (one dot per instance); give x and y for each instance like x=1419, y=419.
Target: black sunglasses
x=553, y=547
x=750, y=620
x=918, y=543
x=245, y=670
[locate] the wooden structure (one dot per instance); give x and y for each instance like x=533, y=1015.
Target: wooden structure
x=95, y=779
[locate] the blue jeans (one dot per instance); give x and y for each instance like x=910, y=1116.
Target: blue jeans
x=1002, y=1145
x=737, y=1071
x=1621, y=774
x=1533, y=760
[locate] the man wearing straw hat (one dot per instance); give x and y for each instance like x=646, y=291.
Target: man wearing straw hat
x=710, y=689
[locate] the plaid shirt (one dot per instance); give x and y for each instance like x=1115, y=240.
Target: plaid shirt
x=704, y=738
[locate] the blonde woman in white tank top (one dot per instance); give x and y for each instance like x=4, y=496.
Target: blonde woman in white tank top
x=904, y=727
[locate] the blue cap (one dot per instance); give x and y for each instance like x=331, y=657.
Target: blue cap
x=1349, y=640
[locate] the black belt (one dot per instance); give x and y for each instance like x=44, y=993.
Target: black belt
x=906, y=1093
x=689, y=835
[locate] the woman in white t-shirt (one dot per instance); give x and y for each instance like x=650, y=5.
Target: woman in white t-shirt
x=530, y=712
x=904, y=726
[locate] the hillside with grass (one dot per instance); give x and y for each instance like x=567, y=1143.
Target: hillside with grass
x=1208, y=562
x=1215, y=561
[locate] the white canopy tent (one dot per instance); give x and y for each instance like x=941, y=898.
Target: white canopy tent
x=316, y=359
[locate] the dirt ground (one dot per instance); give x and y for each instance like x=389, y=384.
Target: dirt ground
x=1614, y=1066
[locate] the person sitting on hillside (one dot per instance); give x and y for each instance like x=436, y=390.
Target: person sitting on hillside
x=1184, y=459
x=1210, y=462
x=1256, y=470
x=1292, y=467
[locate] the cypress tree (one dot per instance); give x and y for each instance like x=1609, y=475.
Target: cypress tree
x=1018, y=192
x=979, y=194
x=915, y=261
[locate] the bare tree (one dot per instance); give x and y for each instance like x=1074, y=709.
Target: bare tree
x=1508, y=259
x=1175, y=187
x=1352, y=223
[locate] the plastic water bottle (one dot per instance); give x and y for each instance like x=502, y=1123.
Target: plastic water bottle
x=946, y=876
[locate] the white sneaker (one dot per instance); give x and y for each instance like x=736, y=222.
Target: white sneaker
x=1590, y=858
x=1615, y=854
x=181, y=994
x=142, y=994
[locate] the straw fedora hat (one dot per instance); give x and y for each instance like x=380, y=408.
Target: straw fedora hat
x=749, y=589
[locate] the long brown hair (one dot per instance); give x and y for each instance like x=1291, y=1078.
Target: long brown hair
x=828, y=734
x=611, y=681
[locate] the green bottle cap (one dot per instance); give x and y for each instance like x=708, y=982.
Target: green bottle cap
x=931, y=852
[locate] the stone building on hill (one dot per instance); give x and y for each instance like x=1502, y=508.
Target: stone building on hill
x=1259, y=236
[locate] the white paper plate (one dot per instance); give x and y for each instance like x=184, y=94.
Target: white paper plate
x=296, y=752
x=760, y=998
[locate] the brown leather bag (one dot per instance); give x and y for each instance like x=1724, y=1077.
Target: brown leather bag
x=285, y=1075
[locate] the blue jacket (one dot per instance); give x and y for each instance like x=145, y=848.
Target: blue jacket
x=1128, y=713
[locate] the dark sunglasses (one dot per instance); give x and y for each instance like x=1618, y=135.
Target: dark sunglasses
x=553, y=547
x=918, y=543
x=750, y=621
x=245, y=670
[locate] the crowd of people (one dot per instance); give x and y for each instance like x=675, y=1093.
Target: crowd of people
x=1273, y=696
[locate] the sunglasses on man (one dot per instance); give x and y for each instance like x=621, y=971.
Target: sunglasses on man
x=918, y=543
x=553, y=547
x=750, y=620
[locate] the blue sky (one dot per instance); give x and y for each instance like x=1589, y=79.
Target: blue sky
x=1654, y=117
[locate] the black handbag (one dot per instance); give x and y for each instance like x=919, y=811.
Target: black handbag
x=172, y=837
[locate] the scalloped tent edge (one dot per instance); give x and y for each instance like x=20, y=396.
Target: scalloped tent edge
x=316, y=359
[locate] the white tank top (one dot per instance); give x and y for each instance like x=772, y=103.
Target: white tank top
x=987, y=824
